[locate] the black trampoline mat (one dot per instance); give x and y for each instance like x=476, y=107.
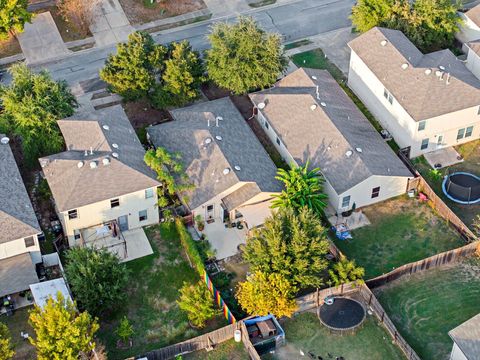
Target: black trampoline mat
x=463, y=187
x=344, y=313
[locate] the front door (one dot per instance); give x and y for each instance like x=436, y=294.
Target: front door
x=123, y=223
x=210, y=211
x=440, y=143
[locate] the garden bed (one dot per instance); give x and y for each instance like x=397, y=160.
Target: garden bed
x=16, y=324
x=402, y=230
x=66, y=29
x=9, y=47
x=427, y=305
x=229, y=350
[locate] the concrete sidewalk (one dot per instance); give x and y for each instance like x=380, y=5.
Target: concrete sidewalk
x=111, y=25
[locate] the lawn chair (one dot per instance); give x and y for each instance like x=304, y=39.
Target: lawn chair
x=342, y=232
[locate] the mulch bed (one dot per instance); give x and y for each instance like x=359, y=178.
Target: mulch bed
x=141, y=114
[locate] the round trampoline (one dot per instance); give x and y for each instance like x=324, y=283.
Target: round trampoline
x=343, y=315
x=462, y=187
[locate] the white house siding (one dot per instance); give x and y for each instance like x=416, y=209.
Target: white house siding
x=100, y=212
x=17, y=247
x=457, y=354
x=361, y=194
x=468, y=32
x=473, y=62
x=399, y=123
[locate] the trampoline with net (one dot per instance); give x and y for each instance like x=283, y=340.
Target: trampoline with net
x=462, y=187
x=342, y=315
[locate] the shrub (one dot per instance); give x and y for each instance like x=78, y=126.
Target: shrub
x=197, y=302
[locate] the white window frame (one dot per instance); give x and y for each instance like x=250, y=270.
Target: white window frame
x=427, y=144
x=348, y=203
x=149, y=193
x=421, y=125
x=140, y=215
x=70, y=214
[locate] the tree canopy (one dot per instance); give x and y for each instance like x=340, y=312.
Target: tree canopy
x=32, y=105
x=345, y=271
x=6, y=348
x=244, y=57
x=303, y=187
x=97, y=278
x=13, y=16
x=292, y=245
x=61, y=332
x=197, y=301
x=264, y=294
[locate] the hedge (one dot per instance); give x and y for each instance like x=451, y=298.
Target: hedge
x=189, y=245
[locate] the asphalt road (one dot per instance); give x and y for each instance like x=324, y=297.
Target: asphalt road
x=294, y=21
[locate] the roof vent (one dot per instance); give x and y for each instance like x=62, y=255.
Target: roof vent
x=115, y=146
x=404, y=66
x=219, y=118
x=115, y=155
x=359, y=149
x=314, y=77
x=383, y=42
x=106, y=127
x=349, y=153
x=238, y=168
x=43, y=162
x=208, y=141
x=4, y=140
x=438, y=73
x=441, y=67
x=323, y=104
x=105, y=161
x=428, y=71
x=93, y=164
x=80, y=164
x=226, y=171
x=219, y=138
x=313, y=107
x=261, y=105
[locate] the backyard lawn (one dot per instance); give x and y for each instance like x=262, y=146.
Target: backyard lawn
x=426, y=305
x=150, y=304
x=304, y=332
x=471, y=155
x=229, y=350
x=16, y=324
x=402, y=230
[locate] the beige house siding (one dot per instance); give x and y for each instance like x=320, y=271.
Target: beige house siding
x=469, y=30
x=100, y=212
x=17, y=247
x=473, y=62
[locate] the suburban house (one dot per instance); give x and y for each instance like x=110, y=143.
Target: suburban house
x=308, y=117
x=19, y=228
x=466, y=340
x=104, y=192
x=470, y=29
x=232, y=174
x=426, y=102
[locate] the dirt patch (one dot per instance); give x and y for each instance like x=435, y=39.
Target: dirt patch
x=143, y=11
x=141, y=114
x=213, y=92
x=67, y=30
x=9, y=47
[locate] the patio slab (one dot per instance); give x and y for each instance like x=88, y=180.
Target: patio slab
x=355, y=221
x=137, y=244
x=443, y=157
x=224, y=240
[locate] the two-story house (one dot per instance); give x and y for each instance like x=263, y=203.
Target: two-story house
x=104, y=192
x=426, y=101
x=19, y=228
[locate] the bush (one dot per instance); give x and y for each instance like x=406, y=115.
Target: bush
x=6, y=348
x=197, y=302
x=125, y=330
x=190, y=247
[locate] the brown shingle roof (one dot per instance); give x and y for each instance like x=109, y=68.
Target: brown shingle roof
x=16, y=274
x=422, y=95
x=474, y=15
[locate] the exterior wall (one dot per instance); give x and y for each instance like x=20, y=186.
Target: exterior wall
x=399, y=123
x=473, y=62
x=100, y=212
x=469, y=30
x=361, y=194
x=457, y=354
x=17, y=247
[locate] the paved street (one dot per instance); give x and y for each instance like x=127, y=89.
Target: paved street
x=294, y=21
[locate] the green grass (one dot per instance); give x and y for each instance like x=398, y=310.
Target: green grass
x=150, y=304
x=16, y=324
x=304, y=332
x=229, y=350
x=261, y=3
x=402, y=230
x=427, y=305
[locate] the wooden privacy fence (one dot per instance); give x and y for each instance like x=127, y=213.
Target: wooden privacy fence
x=315, y=299
x=218, y=298
x=252, y=352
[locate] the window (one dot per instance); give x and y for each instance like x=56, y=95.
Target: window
x=346, y=201
x=76, y=234
x=142, y=215
x=478, y=111
x=278, y=141
x=209, y=207
x=148, y=193
x=388, y=96
x=460, y=133
x=469, y=131
x=114, y=203
x=266, y=124
x=385, y=93
x=72, y=214
x=421, y=125
x=424, y=144
x=29, y=241
x=375, y=192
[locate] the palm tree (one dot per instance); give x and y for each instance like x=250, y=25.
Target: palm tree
x=303, y=188
x=345, y=271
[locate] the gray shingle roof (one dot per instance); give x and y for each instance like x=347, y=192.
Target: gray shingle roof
x=240, y=196
x=17, y=218
x=105, y=132
x=422, y=95
x=205, y=160
x=324, y=134
x=467, y=337
x=16, y=274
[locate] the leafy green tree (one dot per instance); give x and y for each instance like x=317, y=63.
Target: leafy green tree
x=292, y=245
x=97, y=278
x=345, y=271
x=13, y=16
x=303, y=187
x=61, y=332
x=6, y=348
x=367, y=14
x=197, y=302
x=169, y=171
x=32, y=105
x=243, y=57
x=133, y=70
x=125, y=330
x=264, y=294
x=476, y=225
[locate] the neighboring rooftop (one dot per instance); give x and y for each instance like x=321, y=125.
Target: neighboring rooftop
x=467, y=337
x=474, y=15
x=475, y=46
x=17, y=217
x=42, y=291
x=425, y=85
x=104, y=160
x=216, y=157
x=16, y=274
x=327, y=129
